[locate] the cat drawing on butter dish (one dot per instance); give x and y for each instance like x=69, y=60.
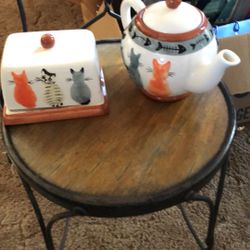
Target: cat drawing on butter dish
x=23, y=93
x=52, y=94
x=80, y=91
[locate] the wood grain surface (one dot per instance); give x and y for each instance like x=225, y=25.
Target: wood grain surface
x=140, y=148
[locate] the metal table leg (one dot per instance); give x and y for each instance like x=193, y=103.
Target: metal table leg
x=214, y=212
x=37, y=211
x=213, y=208
x=47, y=229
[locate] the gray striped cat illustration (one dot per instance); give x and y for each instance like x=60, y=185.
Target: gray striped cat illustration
x=133, y=67
x=80, y=91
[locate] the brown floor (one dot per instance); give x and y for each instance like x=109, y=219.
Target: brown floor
x=161, y=230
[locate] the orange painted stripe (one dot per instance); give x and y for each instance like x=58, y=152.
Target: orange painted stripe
x=167, y=36
x=166, y=99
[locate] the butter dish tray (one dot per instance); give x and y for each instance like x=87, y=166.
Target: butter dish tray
x=51, y=75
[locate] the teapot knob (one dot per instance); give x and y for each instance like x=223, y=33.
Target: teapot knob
x=173, y=4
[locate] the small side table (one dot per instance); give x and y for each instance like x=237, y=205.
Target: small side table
x=142, y=157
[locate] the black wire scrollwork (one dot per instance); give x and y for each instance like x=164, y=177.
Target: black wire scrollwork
x=107, y=10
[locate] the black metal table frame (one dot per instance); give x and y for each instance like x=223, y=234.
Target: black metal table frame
x=187, y=193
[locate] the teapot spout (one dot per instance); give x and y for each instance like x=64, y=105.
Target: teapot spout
x=209, y=75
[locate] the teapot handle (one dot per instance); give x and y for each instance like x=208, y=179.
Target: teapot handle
x=125, y=10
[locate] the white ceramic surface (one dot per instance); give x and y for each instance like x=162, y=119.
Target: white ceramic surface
x=188, y=62
x=68, y=74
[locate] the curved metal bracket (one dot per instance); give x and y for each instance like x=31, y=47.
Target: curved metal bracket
x=107, y=10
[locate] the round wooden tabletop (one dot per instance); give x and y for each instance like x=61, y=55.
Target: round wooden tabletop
x=142, y=151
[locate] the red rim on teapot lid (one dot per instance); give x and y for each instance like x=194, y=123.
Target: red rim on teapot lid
x=171, y=20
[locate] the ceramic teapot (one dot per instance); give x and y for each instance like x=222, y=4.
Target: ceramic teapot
x=170, y=49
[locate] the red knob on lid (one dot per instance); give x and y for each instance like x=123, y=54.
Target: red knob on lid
x=173, y=4
x=47, y=41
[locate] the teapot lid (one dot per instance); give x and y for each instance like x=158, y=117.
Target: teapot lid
x=171, y=20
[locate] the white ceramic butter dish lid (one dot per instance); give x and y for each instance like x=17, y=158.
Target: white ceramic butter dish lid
x=63, y=72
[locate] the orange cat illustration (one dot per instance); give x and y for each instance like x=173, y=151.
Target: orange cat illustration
x=158, y=85
x=23, y=92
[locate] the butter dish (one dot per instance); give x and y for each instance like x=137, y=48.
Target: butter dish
x=51, y=75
